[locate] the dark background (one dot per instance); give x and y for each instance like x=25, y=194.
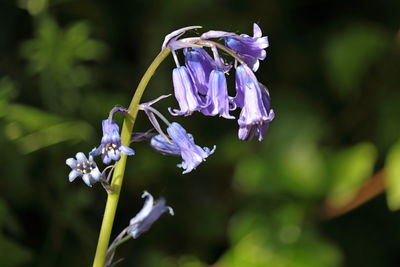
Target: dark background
x=333, y=73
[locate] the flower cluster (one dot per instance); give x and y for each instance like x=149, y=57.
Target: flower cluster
x=200, y=84
x=109, y=149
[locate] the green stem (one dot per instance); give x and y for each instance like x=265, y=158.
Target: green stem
x=123, y=240
x=116, y=183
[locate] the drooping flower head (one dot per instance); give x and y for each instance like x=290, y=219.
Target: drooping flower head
x=251, y=49
x=208, y=76
x=150, y=212
x=111, y=147
x=183, y=142
x=254, y=98
x=185, y=93
x=83, y=167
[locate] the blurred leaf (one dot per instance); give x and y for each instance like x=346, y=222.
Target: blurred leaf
x=276, y=237
x=57, y=50
x=7, y=92
x=392, y=177
x=7, y=219
x=190, y=261
x=33, y=129
x=58, y=56
x=303, y=169
x=12, y=253
x=34, y=7
x=351, y=167
x=350, y=53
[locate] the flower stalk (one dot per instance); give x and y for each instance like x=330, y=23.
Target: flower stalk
x=118, y=176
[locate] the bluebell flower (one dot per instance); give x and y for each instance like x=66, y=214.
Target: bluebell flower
x=250, y=49
x=254, y=98
x=217, y=96
x=183, y=145
x=160, y=144
x=85, y=168
x=150, y=212
x=111, y=147
x=200, y=65
x=185, y=93
x=208, y=75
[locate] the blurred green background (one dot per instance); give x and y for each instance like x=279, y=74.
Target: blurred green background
x=333, y=73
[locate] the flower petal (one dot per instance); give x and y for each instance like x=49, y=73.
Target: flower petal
x=80, y=157
x=173, y=36
x=127, y=150
x=218, y=96
x=73, y=174
x=71, y=162
x=145, y=211
x=96, y=174
x=216, y=34
x=86, y=178
x=164, y=147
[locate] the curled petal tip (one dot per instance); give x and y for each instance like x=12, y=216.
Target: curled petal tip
x=170, y=211
x=145, y=194
x=173, y=36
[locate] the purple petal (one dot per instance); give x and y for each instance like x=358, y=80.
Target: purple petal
x=80, y=157
x=86, y=179
x=192, y=155
x=96, y=151
x=256, y=30
x=200, y=65
x=216, y=34
x=140, y=226
x=250, y=49
x=96, y=174
x=127, y=150
x=161, y=145
x=185, y=92
x=145, y=211
x=73, y=174
x=71, y=162
x=241, y=79
x=218, y=96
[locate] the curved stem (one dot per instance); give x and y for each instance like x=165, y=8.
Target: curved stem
x=116, y=183
x=122, y=240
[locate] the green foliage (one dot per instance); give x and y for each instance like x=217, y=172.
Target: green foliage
x=349, y=54
x=32, y=129
x=277, y=237
x=34, y=7
x=12, y=253
x=58, y=57
x=349, y=169
x=7, y=93
x=293, y=155
x=251, y=203
x=392, y=177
